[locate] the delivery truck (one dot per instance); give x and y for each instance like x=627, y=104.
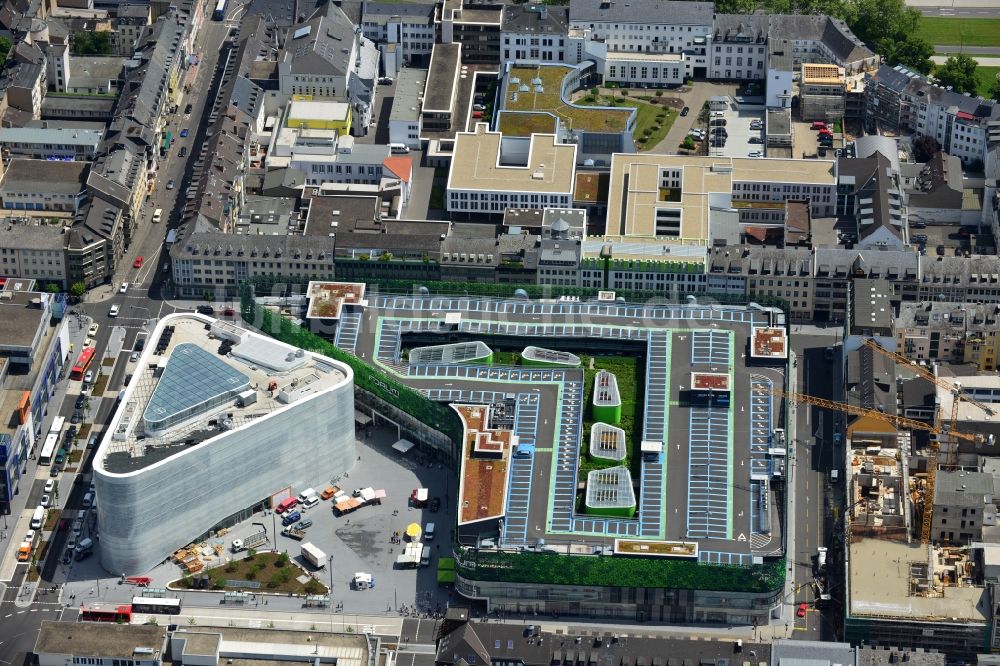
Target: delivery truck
x=313, y=555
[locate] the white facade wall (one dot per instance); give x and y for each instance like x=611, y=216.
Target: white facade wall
x=406, y=132
x=485, y=201
x=965, y=140
x=682, y=283
x=48, y=265
x=652, y=70
x=533, y=48
x=779, y=89
x=737, y=61
x=413, y=38
x=321, y=169
x=147, y=514
x=822, y=201
x=651, y=38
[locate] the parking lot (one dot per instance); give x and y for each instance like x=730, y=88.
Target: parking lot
x=357, y=542
x=737, y=126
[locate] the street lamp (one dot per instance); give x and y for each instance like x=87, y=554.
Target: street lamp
x=329, y=597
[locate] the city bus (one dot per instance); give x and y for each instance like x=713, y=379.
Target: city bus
x=49, y=449
x=220, y=10
x=156, y=605
x=83, y=363
x=106, y=613
x=57, y=425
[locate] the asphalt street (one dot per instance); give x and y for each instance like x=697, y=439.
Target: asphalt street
x=814, y=451
x=23, y=608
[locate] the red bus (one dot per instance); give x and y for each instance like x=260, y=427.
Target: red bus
x=286, y=504
x=106, y=613
x=83, y=363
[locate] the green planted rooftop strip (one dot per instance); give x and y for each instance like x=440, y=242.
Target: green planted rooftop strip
x=526, y=124
x=549, y=99
x=696, y=265
x=620, y=571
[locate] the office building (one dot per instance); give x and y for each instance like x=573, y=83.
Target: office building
x=490, y=174
x=200, y=440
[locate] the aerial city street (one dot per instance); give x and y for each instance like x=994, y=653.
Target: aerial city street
x=469, y=332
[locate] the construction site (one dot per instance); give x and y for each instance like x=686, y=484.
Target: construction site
x=910, y=578
x=918, y=519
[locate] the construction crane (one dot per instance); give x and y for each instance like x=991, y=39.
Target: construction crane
x=954, y=388
x=897, y=422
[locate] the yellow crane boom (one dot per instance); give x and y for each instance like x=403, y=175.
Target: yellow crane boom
x=896, y=421
x=952, y=387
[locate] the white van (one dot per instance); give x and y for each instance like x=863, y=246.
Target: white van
x=398, y=149
x=157, y=215
x=88, y=499
x=38, y=518
x=310, y=503
x=429, y=532
x=306, y=494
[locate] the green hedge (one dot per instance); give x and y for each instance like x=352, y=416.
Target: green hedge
x=620, y=571
x=280, y=285
x=366, y=377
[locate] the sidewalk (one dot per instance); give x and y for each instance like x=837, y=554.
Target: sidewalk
x=20, y=514
x=985, y=61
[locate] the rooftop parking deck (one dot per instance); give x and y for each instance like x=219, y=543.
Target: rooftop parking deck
x=710, y=491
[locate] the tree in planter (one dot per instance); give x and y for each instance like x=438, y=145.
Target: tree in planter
x=77, y=289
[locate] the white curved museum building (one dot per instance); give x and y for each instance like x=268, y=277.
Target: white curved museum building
x=214, y=422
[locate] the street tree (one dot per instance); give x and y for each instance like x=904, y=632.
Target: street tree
x=959, y=72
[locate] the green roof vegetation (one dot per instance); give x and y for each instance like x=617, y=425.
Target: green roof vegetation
x=629, y=372
x=573, y=117
x=620, y=571
x=526, y=124
x=652, y=120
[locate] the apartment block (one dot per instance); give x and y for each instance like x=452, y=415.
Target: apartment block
x=900, y=100
x=964, y=502
x=950, y=332
x=33, y=251
x=403, y=32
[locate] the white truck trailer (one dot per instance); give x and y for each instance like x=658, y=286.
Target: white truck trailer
x=313, y=555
